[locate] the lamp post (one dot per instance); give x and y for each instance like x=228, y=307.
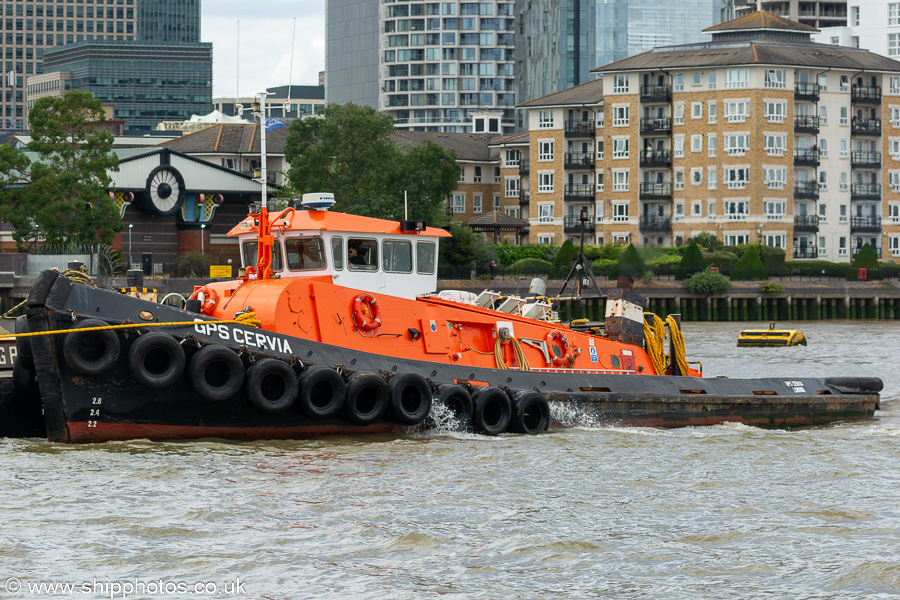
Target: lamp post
x=202, y=235
x=130, y=227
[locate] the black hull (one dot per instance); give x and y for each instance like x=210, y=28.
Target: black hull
x=113, y=405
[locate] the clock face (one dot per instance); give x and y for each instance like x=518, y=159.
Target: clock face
x=165, y=190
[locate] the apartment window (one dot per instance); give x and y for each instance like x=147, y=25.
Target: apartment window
x=679, y=178
x=775, y=111
x=842, y=120
x=844, y=182
x=842, y=246
x=477, y=178
x=737, y=177
x=823, y=148
x=893, y=13
x=711, y=78
x=894, y=180
x=737, y=209
x=823, y=212
x=545, y=119
x=894, y=148
x=843, y=153
x=620, y=212
x=775, y=144
x=736, y=144
x=620, y=84
x=697, y=76
x=845, y=83
x=679, y=82
x=842, y=213
x=737, y=78
x=774, y=177
x=620, y=181
x=620, y=116
x=823, y=115
x=696, y=110
x=775, y=78
x=823, y=82
x=711, y=111
x=545, y=181
x=496, y=174
x=737, y=111
x=458, y=203
x=895, y=85
x=512, y=158
x=736, y=239
x=600, y=118
x=545, y=239
x=895, y=116
x=462, y=174
x=894, y=44
x=775, y=240
x=620, y=148
x=711, y=144
x=894, y=213
x=545, y=150
x=512, y=187
x=678, y=115
x=823, y=180
x=854, y=16
x=512, y=211
x=679, y=211
x=697, y=143
x=678, y=147
x=476, y=204
x=711, y=179
x=599, y=182
x=599, y=149
x=545, y=213
x=696, y=175
x=894, y=245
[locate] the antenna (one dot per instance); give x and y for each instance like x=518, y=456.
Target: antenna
x=287, y=103
x=238, y=107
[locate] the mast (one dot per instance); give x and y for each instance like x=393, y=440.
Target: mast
x=265, y=239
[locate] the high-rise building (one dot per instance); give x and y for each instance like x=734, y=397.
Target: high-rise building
x=31, y=28
x=870, y=24
x=560, y=41
x=436, y=63
x=168, y=21
x=815, y=13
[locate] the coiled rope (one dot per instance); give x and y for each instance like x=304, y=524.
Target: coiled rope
x=520, y=356
x=654, y=342
x=677, y=346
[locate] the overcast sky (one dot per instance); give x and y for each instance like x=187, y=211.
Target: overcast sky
x=266, y=30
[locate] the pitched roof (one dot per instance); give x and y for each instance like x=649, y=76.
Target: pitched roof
x=229, y=139
x=496, y=218
x=761, y=20
x=590, y=92
x=468, y=146
x=523, y=137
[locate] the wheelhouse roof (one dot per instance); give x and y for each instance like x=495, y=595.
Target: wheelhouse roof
x=322, y=220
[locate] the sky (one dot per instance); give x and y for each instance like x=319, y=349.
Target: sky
x=266, y=32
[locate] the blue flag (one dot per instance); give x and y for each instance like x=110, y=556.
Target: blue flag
x=273, y=124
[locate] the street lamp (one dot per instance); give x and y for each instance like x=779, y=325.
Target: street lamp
x=130, y=227
x=202, y=235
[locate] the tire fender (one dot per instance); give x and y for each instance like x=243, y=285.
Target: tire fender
x=491, y=410
x=216, y=372
x=91, y=352
x=456, y=398
x=322, y=392
x=366, y=400
x=531, y=413
x=271, y=385
x=410, y=398
x=156, y=360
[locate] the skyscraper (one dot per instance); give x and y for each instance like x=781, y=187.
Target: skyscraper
x=168, y=21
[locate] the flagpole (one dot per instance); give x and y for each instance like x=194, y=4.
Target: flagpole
x=262, y=144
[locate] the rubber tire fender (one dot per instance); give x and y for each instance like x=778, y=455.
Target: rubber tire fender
x=367, y=398
x=156, y=360
x=410, y=398
x=271, y=385
x=23, y=345
x=456, y=398
x=492, y=410
x=531, y=413
x=322, y=391
x=216, y=372
x=91, y=352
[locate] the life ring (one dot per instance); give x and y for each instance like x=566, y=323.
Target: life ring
x=322, y=392
x=156, y=360
x=367, y=398
x=531, y=413
x=271, y=385
x=366, y=313
x=207, y=297
x=492, y=410
x=410, y=398
x=91, y=352
x=216, y=372
x=567, y=358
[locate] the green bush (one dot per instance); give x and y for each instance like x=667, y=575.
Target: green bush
x=607, y=252
x=192, y=264
x=707, y=282
x=723, y=259
x=770, y=288
x=772, y=259
x=567, y=253
x=749, y=267
x=708, y=241
x=630, y=263
x=534, y=266
x=692, y=261
x=509, y=254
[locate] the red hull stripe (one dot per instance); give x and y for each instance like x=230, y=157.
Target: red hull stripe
x=79, y=432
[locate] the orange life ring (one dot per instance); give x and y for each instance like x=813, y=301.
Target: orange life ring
x=366, y=313
x=567, y=358
x=207, y=297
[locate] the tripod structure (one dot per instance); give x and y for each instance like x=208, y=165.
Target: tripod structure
x=580, y=268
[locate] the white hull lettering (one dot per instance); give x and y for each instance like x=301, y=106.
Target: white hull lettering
x=240, y=336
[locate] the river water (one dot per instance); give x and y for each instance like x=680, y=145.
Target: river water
x=717, y=512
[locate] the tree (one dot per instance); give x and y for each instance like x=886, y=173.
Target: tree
x=708, y=241
x=629, y=263
x=749, y=267
x=707, y=282
x=567, y=253
x=692, y=261
x=66, y=198
x=349, y=150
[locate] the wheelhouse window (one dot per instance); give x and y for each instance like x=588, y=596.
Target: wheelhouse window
x=250, y=255
x=425, y=255
x=396, y=256
x=305, y=254
x=362, y=254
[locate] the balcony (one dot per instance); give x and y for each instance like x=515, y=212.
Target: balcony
x=656, y=93
x=572, y=224
x=806, y=91
x=578, y=160
x=648, y=223
x=865, y=126
x=806, y=124
x=865, y=224
x=865, y=191
x=656, y=126
x=877, y=250
x=865, y=95
x=806, y=252
x=578, y=192
x=580, y=129
x=656, y=191
x=865, y=160
x=524, y=198
x=806, y=157
x=806, y=224
x=806, y=189
x=656, y=158
x=524, y=167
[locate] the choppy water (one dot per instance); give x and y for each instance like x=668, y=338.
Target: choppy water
x=718, y=512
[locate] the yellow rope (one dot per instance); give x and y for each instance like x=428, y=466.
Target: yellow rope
x=520, y=355
x=239, y=321
x=654, y=342
x=677, y=345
